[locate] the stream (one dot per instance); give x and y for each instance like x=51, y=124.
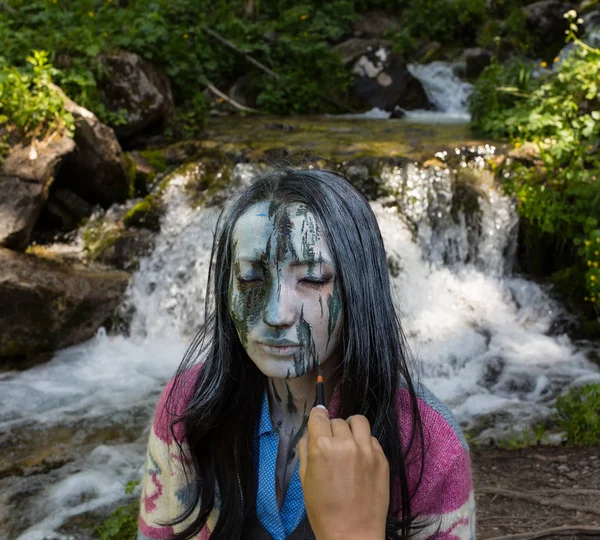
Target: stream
x=487, y=341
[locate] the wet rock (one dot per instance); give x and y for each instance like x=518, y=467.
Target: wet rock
x=26, y=175
x=546, y=23
x=374, y=24
x=528, y=153
x=353, y=48
x=383, y=81
x=136, y=88
x=64, y=210
x=96, y=170
x=476, y=60
x=47, y=304
x=428, y=52
x=244, y=92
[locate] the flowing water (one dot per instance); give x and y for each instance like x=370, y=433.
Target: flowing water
x=485, y=341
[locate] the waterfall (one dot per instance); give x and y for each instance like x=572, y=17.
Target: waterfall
x=481, y=335
x=447, y=92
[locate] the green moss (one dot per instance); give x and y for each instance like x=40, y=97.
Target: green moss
x=145, y=214
x=156, y=160
x=130, y=174
x=98, y=239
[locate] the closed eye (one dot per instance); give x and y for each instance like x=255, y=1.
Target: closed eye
x=315, y=282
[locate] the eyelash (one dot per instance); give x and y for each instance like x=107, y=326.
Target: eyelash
x=310, y=282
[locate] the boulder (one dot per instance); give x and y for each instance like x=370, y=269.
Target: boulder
x=374, y=24
x=47, y=304
x=135, y=88
x=26, y=175
x=63, y=210
x=96, y=170
x=476, y=60
x=352, y=49
x=546, y=22
x=383, y=81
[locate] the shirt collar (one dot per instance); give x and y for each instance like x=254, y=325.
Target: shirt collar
x=264, y=423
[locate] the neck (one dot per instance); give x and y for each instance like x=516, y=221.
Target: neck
x=290, y=400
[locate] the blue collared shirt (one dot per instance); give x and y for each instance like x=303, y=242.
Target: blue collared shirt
x=278, y=524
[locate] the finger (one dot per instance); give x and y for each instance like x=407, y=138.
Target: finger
x=361, y=431
x=340, y=429
x=302, y=456
x=318, y=424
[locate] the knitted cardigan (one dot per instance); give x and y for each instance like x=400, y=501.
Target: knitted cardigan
x=444, y=497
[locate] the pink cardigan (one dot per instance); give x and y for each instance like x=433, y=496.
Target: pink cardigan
x=444, y=498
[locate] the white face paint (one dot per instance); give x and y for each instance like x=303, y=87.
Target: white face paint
x=283, y=296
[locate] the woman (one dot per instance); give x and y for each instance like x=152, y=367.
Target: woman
x=299, y=278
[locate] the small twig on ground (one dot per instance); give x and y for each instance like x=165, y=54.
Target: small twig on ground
x=544, y=501
x=564, y=529
x=229, y=100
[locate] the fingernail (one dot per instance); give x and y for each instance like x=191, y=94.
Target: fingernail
x=321, y=407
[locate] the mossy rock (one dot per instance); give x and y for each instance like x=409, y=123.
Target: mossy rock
x=145, y=215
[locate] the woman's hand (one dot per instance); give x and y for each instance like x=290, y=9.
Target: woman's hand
x=345, y=478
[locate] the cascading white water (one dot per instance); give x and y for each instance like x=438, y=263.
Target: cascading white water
x=445, y=90
x=480, y=335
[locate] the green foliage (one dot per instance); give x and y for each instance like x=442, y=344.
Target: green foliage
x=29, y=107
x=446, y=21
x=290, y=38
x=523, y=439
x=122, y=522
x=578, y=413
x=558, y=111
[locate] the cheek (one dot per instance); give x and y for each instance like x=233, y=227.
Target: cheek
x=245, y=307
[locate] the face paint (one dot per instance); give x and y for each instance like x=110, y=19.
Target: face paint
x=281, y=272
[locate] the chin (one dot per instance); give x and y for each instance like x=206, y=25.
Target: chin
x=279, y=368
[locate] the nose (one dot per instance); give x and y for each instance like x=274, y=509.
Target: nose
x=279, y=310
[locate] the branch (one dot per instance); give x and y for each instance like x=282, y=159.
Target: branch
x=5, y=7
x=268, y=71
x=229, y=100
x=564, y=529
x=544, y=501
x=250, y=59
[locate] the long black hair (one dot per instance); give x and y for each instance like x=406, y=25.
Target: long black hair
x=221, y=417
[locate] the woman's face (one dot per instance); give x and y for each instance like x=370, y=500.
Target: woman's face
x=283, y=295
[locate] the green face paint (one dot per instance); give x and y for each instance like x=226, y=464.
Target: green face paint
x=283, y=298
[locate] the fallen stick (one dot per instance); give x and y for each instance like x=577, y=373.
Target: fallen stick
x=564, y=529
x=544, y=501
x=232, y=46
x=229, y=100
x=264, y=68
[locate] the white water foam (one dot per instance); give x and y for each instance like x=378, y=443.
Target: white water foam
x=481, y=337
x=447, y=92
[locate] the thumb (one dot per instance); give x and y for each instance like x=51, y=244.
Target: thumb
x=303, y=456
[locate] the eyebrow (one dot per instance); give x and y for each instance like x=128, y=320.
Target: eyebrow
x=293, y=263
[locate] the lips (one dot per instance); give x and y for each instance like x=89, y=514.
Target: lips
x=280, y=347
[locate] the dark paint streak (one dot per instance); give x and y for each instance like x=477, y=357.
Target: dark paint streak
x=275, y=393
x=334, y=304
x=302, y=362
x=291, y=404
x=295, y=438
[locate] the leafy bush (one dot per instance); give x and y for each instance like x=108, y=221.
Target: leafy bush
x=559, y=111
x=29, y=107
x=290, y=38
x=578, y=413
x=122, y=524
x=446, y=21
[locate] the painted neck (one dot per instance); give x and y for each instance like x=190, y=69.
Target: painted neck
x=291, y=399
